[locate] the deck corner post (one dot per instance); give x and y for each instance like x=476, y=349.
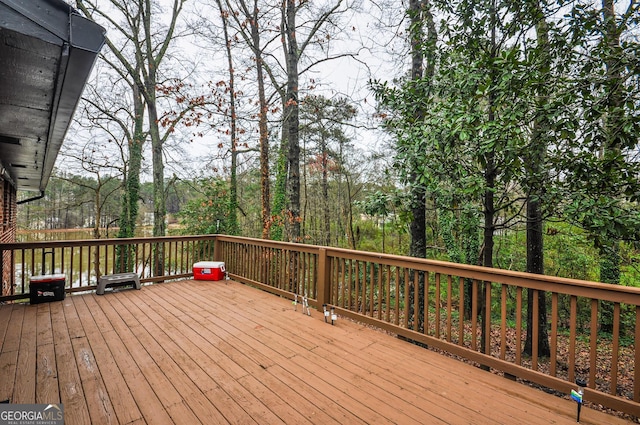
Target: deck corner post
x=324, y=281
x=217, y=249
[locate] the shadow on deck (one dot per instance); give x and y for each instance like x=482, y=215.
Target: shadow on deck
x=193, y=352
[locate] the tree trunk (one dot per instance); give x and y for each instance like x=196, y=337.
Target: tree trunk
x=535, y=264
x=262, y=125
x=292, y=122
x=280, y=195
x=418, y=193
x=352, y=235
x=419, y=15
x=131, y=193
x=609, y=273
x=487, y=252
x=536, y=184
x=614, y=118
x=232, y=227
x=325, y=194
x=264, y=150
x=97, y=212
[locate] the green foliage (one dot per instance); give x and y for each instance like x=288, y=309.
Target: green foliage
x=376, y=204
x=630, y=265
x=569, y=253
x=279, y=199
x=208, y=214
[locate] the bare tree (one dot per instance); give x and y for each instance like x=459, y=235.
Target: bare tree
x=140, y=43
x=294, y=48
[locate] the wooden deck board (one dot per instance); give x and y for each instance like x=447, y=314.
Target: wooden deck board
x=133, y=365
x=5, y=315
x=25, y=379
x=120, y=397
x=329, y=376
x=197, y=352
x=8, y=366
x=402, y=404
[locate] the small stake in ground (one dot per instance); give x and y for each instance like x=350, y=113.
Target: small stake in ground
x=576, y=395
x=305, y=304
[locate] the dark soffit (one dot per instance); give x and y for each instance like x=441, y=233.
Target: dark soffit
x=47, y=52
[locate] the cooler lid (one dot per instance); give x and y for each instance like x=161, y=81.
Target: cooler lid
x=48, y=278
x=209, y=264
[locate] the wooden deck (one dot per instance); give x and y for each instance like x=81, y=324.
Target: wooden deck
x=195, y=352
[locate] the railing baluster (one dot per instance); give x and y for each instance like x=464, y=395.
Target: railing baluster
x=536, y=331
x=33, y=262
x=336, y=279
x=461, y=317
x=636, y=369
x=615, y=348
x=503, y=321
x=474, y=316
x=593, y=343
x=437, y=304
x=350, y=292
x=281, y=265
x=62, y=269
x=519, y=325
x=24, y=269
x=343, y=283
x=371, y=286
x=80, y=264
x=72, y=269
x=306, y=269
x=406, y=285
x=380, y=290
x=356, y=302
x=487, y=321
x=416, y=302
x=396, y=303
x=139, y=258
x=449, y=306
x=553, y=343
x=572, y=338
x=387, y=292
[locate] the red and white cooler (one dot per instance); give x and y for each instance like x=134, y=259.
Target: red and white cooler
x=208, y=270
x=47, y=288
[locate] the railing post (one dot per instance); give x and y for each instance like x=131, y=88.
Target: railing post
x=217, y=249
x=324, y=279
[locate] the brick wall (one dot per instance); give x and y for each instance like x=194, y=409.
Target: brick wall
x=7, y=230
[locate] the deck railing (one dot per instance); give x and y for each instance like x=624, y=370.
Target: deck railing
x=84, y=261
x=472, y=312
x=476, y=313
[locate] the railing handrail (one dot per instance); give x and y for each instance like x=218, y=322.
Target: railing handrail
x=96, y=242
x=292, y=246
x=568, y=286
